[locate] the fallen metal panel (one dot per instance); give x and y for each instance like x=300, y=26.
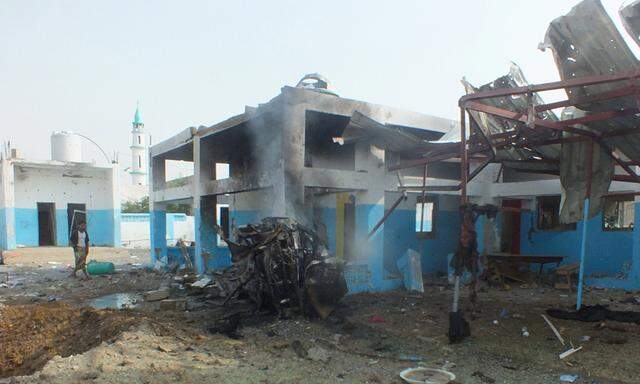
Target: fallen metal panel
x=630, y=16
x=585, y=42
x=361, y=127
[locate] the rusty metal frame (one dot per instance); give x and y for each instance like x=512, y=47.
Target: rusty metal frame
x=513, y=139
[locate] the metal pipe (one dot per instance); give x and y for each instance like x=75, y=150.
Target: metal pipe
x=585, y=221
x=463, y=157
x=583, y=250
x=386, y=214
x=424, y=195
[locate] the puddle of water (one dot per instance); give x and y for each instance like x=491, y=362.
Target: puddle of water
x=115, y=301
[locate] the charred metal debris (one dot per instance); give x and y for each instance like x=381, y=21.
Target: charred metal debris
x=283, y=266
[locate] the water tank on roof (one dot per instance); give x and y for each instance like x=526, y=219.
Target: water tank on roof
x=65, y=146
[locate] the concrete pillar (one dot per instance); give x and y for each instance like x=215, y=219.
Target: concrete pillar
x=7, y=207
x=158, y=232
x=292, y=120
x=158, y=173
x=115, y=212
x=197, y=175
x=157, y=214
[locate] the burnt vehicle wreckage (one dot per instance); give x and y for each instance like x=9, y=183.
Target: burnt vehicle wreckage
x=283, y=266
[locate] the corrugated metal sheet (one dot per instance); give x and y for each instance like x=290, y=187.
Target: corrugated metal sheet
x=585, y=42
x=491, y=125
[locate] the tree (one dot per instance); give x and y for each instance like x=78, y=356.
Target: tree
x=139, y=206
x=142, y=206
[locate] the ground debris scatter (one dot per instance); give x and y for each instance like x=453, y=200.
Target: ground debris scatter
x=66, y=341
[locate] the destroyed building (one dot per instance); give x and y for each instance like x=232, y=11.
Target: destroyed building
x=284, y=160
x=343, y=166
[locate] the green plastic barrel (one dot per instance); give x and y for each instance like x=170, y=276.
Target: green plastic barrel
x=100, y=268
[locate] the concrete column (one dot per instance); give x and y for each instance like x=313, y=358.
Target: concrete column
x=158, y=233
x=293, y=120
x=116, y=214
x=157, y=214
x=197, y=176
x=158, y=173
x=7, y=207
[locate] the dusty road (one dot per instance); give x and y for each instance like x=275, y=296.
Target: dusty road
x=50, y=333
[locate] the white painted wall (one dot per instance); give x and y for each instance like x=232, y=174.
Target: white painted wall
x=63, y=184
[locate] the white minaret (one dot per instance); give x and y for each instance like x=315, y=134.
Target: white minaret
x=139, y=151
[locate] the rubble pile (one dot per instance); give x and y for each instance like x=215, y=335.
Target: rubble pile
x=281, y=265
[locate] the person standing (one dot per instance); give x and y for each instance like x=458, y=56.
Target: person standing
x=80, y=242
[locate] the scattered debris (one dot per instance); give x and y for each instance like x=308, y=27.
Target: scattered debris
x=282, y=265
x=631, y=300
x=156, y=295
x=553, y=328
x=569, y=352
x=413, y=358
x=318, y=354
x=203, y=282
x=423, y=375
x=596, y=313
x=297, y=347
x=525, y=332
x=410, y=266
x=228, y=326
x=484, y=378
x=377, y=319
x=173, y=305
x=569, y=378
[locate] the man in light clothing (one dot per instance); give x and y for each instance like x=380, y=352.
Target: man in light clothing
x=80, y=242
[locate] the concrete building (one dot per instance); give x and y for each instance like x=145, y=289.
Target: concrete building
x=41, y=200
x=283, y=161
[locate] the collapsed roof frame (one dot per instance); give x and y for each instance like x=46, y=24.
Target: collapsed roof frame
x=477, y=142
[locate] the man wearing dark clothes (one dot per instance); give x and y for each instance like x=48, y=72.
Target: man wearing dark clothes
x=80, y=242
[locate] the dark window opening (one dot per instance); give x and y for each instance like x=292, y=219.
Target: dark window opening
x=320, y=149
x=549, y=215
x=46, y=224
x=222, y=219
x=618, y=214
x=350, y=229
x=139, y=139
x=139, y=161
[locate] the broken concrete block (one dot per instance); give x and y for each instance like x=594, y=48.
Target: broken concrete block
x=318, y=354
x=156, y=295
x=203, y=282
x=173, y=305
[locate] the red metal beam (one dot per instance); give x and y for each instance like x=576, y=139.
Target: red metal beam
x=570, y=83
x=620, y=92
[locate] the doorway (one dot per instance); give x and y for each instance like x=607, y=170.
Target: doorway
x=76, y=213
x=46, y=224
x=346, y=226
x=511, y=222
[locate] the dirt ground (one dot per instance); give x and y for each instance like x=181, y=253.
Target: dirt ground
x=48, y=333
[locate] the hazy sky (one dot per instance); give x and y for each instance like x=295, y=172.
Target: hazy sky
x=81, y=65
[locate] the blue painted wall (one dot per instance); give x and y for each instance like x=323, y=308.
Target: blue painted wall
x=400, y=235
x=103, y=227
x=158, y=234
x=7, y=218
x=607, y=251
